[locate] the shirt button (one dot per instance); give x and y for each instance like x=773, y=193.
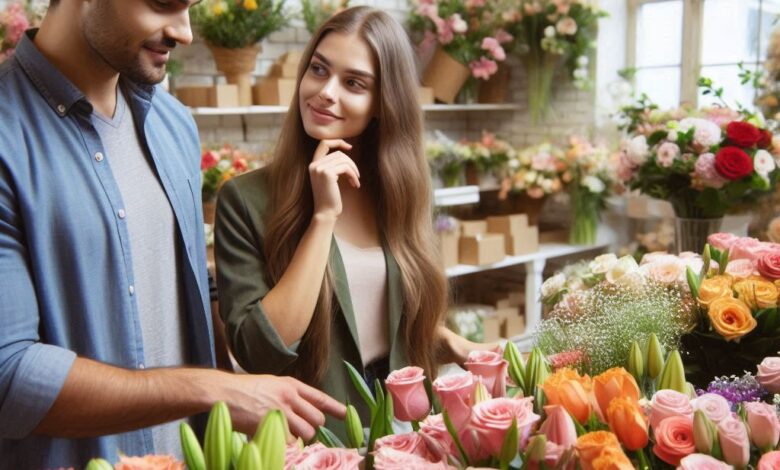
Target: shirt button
x=131, y=290
x=99, y=156
x=61, y=108
x=121, y=213
x=141, y=366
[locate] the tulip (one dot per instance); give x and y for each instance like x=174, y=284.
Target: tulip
x=559, y=426
x=628, y=422
x=673, y=374
x=567, y=388
x=654, y=356
x=705, y=434
x=636, y=366
x=614, y=383
x=354, y=428
x=271, y=438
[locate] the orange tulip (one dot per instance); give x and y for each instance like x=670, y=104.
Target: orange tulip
x=614, y=383
x=568, y=389
x=611, y=458
x=590, y=446
x=627, y=420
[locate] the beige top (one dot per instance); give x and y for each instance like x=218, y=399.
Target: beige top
x=367, y=280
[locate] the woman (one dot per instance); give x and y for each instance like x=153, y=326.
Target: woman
x=327, y=254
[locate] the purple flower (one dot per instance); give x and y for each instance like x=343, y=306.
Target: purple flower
x=736, y=389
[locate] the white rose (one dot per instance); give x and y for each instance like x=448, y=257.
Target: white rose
x=603, y=263
x=667, y=271
x=549, y=32
x=763, y=162
x=624, y=266
x=594, y=185
x=707, y=133
x=637, y=150
x=553, y=285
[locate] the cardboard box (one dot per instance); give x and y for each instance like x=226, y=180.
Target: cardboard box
x=522, y=243
x=448, y=246
x=514, y=325
x=516, y=299
x=481, y=249
x=284, y=70
x=493, y=327
x=223, y=96
x=195, y=96
x=274, y=91
x=507, y=224
x=425, y=95
x=470, y=228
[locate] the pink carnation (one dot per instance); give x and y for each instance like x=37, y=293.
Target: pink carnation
x=483, y=68
x=667, y=154
x=494, y=48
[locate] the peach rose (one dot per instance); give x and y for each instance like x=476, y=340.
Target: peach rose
x=702, y=462
x=769, y=374
x=769, y=461
x=664, y=271
x=757, y=293
x=589, y=446
x=667, y=403
x=456, y=394
x=722, y=241
x=714, y=406
x=674, y=439
x=492, y=419
x=627, y=420
x=614, y=383
x=327, y=458
x=764, y=424
x=567, y=388
x=713, y=288
x=149, y=462
x=741, y=268
x=409, y=443
x=734, y=442
x=611, y=458
x=392, y=459
x=731, y=318
x=492, y=367
x=410, y=400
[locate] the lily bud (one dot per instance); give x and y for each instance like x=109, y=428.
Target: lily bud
x=516, y=366
x=655, y=357
x=271, y=439
x=480, y=392
x=705, y=433
x=250, y=457
x=354, y=428
x=673, y=374
x=99, y=464
x=536, y=448
x=636, y=363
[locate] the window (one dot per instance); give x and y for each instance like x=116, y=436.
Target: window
x=677, y=41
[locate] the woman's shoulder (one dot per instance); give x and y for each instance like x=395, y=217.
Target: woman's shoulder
x=248, y=189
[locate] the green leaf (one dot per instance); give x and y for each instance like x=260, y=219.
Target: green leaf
x=724, y=260
x=328, y=438
x=432, y=398
x=388, y=415
x=509, y=447
x=360, y=385
x=454, y=434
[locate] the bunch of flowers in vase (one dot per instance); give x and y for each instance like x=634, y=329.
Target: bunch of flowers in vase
x=446, y=159
x=218, y=165
x=15, y=19
x=487, y=160
x=232, y=30
x=549, y=33
x=468, y=39
x=317, y=12
x=533, y=174
x=592, y=178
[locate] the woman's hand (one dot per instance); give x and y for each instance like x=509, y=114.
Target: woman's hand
x=324, y=172
x=456, y=348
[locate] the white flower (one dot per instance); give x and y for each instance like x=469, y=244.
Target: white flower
x=530, y=177
x=459, y=25
x=707, y=133
x=553, y=285
x=666, y=271
x=763, y=163
x=547, y=185
x=580, y=73
x=624, y=266
x=514, y=164
x=582, y=61
x=549, y=32
x=637, y=150
x=594, y=184
x=603, y=263
x=672, y=136
x=224, y=164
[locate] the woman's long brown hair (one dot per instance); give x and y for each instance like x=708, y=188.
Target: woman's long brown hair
x=401, y=184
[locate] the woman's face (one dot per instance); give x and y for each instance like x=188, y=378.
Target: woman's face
x=338, y=91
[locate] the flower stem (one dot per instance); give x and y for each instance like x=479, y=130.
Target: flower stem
x=643, y=464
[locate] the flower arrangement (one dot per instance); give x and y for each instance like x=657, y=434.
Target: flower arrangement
x=15, y=19
x=219, y=165
x=315, y=13
x=234, y=24
x=550, y=32
x=469, y=31
x=538, y=171
x=444, y=159
x=487, y=157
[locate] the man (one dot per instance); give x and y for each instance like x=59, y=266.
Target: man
x=102, y=254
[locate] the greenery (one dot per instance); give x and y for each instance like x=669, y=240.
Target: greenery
x=234, y=24
x=317, y=12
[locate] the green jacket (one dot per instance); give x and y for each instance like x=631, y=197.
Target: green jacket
x=239, y=229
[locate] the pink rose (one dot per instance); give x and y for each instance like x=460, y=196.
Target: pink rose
x=149, y=462
x=327, y=458
x=674, y=439
x=664, y=271
x=456, y=394
x=764, y=424
x=492, y=419
x=702, y=462
x=392, y=459
x=746, y=248
x=492, y=367
x=410, y=400
x=409, y=443
x=769, y=461
x=435, y=434
x=769, y=374
x=667, y=403
x=768, y=265
x=741, y=268
x=714, y=406
x=734, y=442
x=722, y=241
x=559, y=426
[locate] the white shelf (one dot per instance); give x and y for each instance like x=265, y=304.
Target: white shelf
x=546, y=251
x=456, y=196
x=251, y=110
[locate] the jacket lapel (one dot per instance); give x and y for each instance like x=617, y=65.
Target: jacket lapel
x=341, y=289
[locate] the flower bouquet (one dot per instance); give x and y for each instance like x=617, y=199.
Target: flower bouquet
x=446, y=159
x=534, y=173
x=548, y=33
x=486, y=160
x=468, y=37
x=317, y=12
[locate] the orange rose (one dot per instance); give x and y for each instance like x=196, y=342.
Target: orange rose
x=714, y=288
x=612, y=458
x=614, y=383
x=590, y=446
x=756, y=292
x=568, y=389
x=731, y=318
x=629, y=423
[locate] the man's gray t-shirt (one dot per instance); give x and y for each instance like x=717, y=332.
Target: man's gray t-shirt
x=157, y=287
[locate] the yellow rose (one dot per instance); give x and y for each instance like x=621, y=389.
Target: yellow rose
x=757, y=292
x=731, y=318
x=250, y=5
x=714, y=288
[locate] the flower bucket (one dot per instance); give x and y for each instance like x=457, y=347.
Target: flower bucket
x=237, y=66
x=209, y=211
x=445, y=76
x=496, y=88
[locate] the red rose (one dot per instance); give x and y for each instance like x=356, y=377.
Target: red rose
x=766, y=139
x=768, y=265
x=208, y=160
x=733, y=163
x=743, y=133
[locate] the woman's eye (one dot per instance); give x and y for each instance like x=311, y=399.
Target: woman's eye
x=356, y=84
x=317, y=69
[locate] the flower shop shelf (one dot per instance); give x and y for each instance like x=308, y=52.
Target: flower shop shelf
x=248, y=110
x=456, y=196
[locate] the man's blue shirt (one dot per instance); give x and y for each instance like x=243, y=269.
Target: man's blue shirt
x=66, y=271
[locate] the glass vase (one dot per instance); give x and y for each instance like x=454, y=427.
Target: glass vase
x=691, y=234
x=585, y=212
